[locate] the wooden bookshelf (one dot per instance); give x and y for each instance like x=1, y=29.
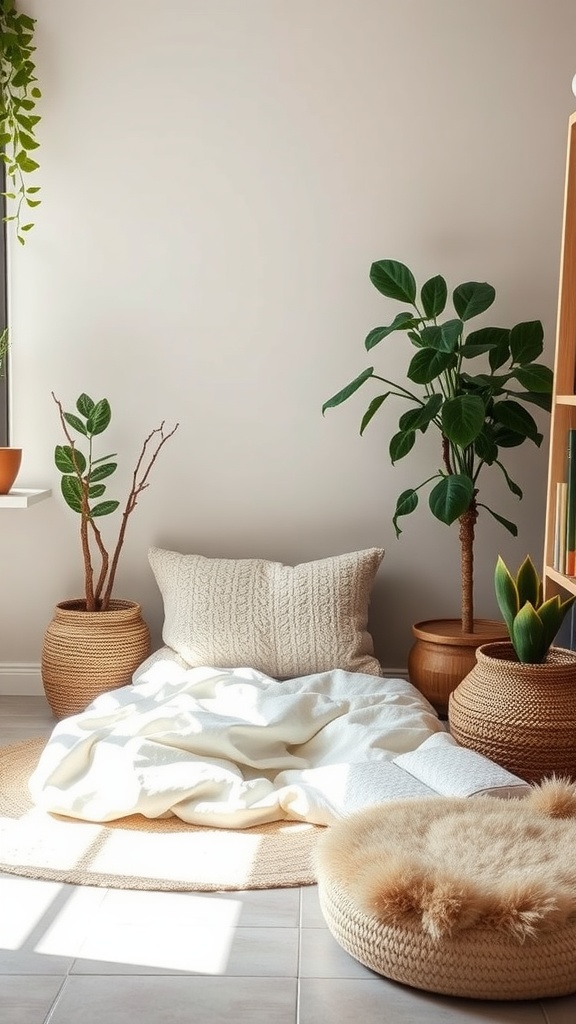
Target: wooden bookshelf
x=564, y=395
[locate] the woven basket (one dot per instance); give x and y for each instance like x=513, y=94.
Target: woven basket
x=522, y=716
x=480, y=963
x=87, y=653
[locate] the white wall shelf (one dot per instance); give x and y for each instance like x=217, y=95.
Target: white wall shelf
x=23, y=497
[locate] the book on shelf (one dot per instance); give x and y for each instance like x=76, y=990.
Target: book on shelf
x=560, y=527
x=570, y=562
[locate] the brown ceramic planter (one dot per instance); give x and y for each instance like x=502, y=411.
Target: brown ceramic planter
x=10, y=461
x=442, y=655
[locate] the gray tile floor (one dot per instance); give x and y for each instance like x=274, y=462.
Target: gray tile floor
x=81, y=955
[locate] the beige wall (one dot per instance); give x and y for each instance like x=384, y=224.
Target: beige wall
x=218, y=176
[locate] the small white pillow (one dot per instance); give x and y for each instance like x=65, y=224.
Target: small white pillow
x=285, y=621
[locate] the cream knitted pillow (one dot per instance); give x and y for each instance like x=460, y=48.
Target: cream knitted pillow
x=285, y=621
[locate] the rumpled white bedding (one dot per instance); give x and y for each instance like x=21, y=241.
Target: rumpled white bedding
x=234, y=748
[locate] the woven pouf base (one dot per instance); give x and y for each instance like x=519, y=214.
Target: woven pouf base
x=473, y=898
x=88, y=653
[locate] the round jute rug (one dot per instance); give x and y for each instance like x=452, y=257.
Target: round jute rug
x=138, y=853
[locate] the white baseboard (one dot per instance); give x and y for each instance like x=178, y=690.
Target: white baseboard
x=21, y=679
x=27, y=680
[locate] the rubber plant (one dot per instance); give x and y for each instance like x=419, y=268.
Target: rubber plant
x=532, y=623
x=19, y=94
x=477, y=413
x=83, y=486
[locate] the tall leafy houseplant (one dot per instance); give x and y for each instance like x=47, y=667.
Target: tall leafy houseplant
x=19, y=94
x=477, y=413
x=83, y=486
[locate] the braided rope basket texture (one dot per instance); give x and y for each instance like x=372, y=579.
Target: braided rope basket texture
x=87, y=653
x=479, y=963
x=522, y=716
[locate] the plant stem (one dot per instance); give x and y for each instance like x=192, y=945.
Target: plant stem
x=467, y=524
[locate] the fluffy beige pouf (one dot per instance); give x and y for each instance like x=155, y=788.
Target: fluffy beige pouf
x=466, y=897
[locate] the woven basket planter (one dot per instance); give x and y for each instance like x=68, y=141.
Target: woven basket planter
x=522, y=716
x=87, y=653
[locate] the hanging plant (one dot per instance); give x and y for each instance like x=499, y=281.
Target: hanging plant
x=18, y=120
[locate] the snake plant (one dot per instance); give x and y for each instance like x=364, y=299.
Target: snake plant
x=531, y=622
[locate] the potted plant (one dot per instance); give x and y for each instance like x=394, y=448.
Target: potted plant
x=518, y=704
x=19, y=94
x=478, y=415
x=95, y=643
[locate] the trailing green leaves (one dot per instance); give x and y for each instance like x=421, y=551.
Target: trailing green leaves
x=19, y=94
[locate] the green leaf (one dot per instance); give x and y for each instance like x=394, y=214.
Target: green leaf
x=96, y=491
x=513, y=416
x=535, y=378
x=428, y=364
x=345, y=393
x=463, y=418
x=451, y=497
x=485, y=447
x=371, y=410
x=85, y=405
x=535, y=398
x=27, y=142
x=508, y=438
x=103, y=458
x=25, y=163
x=526, y=342
x=104, y=508
x=406, y=504
x=472, y=298
x=68, y=459
x=552, y=614
x=528, y=636
x=419, y=418
x=528, y=583
x=394, y=280
x=101, y=472
x=433, y=296
x=401, y=444
x=492, y=339
x=451, y=333
x=488, y=383
x=72, y=492
x=506, y=523
x=444, y=338
x=511, y=484
x=74, y=422
x=401, y=322
x=507, y=596
x=99, y=418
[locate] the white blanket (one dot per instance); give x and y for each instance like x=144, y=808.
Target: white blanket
x=230, y=747
x=234, y=748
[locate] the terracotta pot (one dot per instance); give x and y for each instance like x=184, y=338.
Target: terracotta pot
x=522, y=716
x=10, y=461
x=87, y=653
x=442, y=655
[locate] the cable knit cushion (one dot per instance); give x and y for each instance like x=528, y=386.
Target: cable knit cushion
x=285, y=621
